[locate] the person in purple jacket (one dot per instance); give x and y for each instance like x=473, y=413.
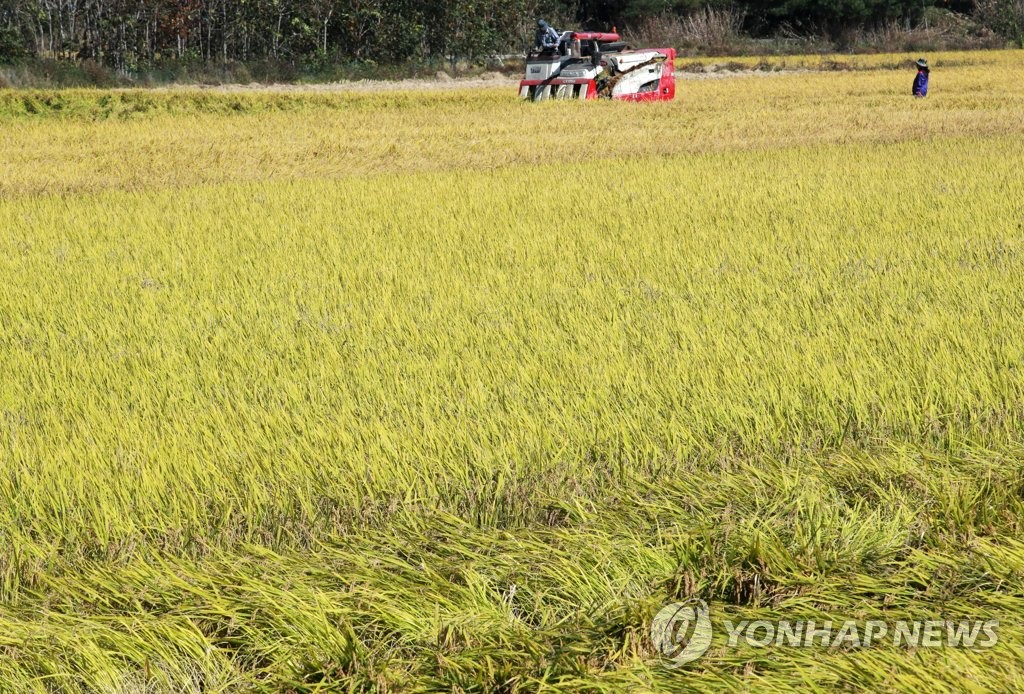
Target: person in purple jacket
x=921, y=81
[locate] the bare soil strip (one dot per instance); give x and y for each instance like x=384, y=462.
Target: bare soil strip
x=488, y=80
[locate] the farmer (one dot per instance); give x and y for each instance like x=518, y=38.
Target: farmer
x=921, y=81
x=547, y=37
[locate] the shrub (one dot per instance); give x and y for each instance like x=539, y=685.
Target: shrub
x=1005, y=17
x=711, y=30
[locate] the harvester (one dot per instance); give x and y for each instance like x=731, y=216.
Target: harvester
x=597, y=65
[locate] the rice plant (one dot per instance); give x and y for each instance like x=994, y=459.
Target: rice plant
x=449, y=392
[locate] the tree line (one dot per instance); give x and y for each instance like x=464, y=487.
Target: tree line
x=126, y=34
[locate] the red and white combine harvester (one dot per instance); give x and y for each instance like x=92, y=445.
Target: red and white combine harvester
x=589, y=65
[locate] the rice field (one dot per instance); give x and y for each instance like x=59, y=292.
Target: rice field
x=445, y=392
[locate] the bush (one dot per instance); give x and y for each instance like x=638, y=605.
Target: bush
x=97, y=73
x=1005, y=17
x=939, y=30
x=707, y=30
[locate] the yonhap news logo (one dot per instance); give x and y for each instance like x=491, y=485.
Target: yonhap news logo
x=682, y=633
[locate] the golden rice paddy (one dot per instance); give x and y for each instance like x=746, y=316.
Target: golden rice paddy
x=445, y=391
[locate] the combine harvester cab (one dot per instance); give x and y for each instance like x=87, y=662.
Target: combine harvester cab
x=598, y=65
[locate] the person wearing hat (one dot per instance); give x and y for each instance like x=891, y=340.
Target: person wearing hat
x=547, y=37
x=920, y=88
